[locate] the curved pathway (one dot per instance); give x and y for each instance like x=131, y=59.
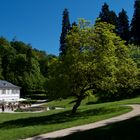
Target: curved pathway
x=67, y=131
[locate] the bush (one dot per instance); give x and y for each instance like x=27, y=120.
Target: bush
x=29, y=101
x=31, y=109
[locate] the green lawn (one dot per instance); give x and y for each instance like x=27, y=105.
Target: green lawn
x=22, y=125
x=69, y=102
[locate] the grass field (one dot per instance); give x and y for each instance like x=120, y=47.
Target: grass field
x=22, y=125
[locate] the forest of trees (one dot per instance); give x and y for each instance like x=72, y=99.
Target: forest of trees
x=101, y=59
x=23, y=66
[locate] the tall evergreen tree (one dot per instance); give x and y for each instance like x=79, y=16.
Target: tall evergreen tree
x=65, y=29
x=135, y=24
x=123, y=26
x=113, y=19
x=104, y=14
x=108, y=16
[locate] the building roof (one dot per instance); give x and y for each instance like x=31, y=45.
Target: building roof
x=4, y=84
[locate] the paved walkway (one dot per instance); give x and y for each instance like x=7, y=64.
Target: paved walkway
x=67, y=131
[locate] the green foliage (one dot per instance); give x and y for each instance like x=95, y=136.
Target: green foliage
x=1, y=76
x=135, y=30
x=20, y=64
x=20, y=46
x=116, y=71
x=44, y=64
x=29, y=101
x=135, y=53
x=57, y=83
x=96, y=61
x=7, y=54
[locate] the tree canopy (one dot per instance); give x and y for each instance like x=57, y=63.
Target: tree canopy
x=22, y=65
x=96, y=60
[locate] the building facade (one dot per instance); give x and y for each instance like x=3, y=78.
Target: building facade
x=9, y=92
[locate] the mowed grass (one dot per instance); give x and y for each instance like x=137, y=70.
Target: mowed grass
x=22, y=125
x=69, y=102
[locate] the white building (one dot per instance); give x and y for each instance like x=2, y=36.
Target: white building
x=9, y=92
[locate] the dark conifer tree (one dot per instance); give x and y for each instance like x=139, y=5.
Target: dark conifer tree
x=105, y=13
x=65, y=28
x=113, y=19
x=74, y=24
x=123, y=26
x=135, y=24
x=108, y=16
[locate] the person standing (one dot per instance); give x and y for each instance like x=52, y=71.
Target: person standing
x=2, y=108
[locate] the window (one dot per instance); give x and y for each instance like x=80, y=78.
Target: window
x=8, y=91
x=4, y=91
x=17, y=91
x=14, y=91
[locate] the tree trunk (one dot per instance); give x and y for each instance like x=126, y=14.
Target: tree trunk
x=78, y=102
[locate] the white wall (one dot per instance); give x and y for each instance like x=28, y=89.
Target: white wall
x=9, y=94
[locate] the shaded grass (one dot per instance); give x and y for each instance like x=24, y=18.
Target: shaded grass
x=125, y=130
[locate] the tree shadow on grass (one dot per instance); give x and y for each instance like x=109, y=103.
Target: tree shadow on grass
x=54, y=118
x=73, y=101
x=125, y=130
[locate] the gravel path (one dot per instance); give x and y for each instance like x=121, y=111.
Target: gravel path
x=67, y=131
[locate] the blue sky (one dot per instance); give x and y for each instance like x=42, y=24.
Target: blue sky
x=38, y=22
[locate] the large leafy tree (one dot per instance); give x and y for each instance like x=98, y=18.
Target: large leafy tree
x=135, y=53
x=65, y=29
x=135, y=29
x=123, y=26
x=96, y=60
